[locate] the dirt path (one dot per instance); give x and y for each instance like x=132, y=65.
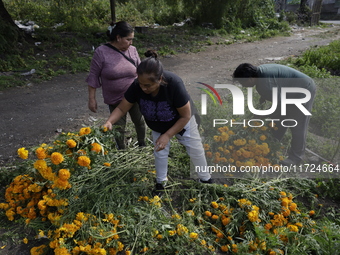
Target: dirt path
x=33, y=114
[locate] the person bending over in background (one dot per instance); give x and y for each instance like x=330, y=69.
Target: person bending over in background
x=113, y=67
x=165, y=105
x=265, y=78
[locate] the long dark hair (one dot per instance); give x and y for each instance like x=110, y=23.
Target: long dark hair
x=121, y=28
x=151, y=65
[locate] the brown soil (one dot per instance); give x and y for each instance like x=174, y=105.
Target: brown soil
x=32, y=115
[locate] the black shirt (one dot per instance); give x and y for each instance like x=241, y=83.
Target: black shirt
x=160, y=111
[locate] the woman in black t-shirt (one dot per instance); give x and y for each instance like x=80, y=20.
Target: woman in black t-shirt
x=165, y=105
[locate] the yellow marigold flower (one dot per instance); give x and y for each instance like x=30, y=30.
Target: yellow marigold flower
x=285, y=201
x=181, y=230
x=217, y=138
x=176, y=216
x=159, y=236
x=84, y=161
x=192, y=200
x=293, y=228
x=96, y=147
x=38, y=250
x=64, y=174
x=23, y=153
x=25, y=240
x=283, y=194
x=57, y=158
x=299, y=224
x=244, y=202
x=172, y=232
x=253, y=216
x=203, y=242
x=71, y=143
x=85, y=131
x=193, y=235
x=41, y=153
x=61, y=184
x=214, y=204
x=40, y=165
x=212, y=248
x=190, y=212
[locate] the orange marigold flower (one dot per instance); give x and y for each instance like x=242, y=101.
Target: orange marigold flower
x=311, y=213
x=41, y=153
x=85, y=131
x=107, y=164
x=225, y=248
x=226, y=221
x=64, y=174
x=23, y=153
x=214, y=204
x=214, y=217
x=57, y=158
x=84, y=161
x=96, y=147
x=40, y=165
x=263, y=137
x=208, y=213
x=268, y=226
x=71, y=143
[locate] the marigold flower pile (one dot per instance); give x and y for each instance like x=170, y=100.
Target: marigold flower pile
x=52, y=191
x=243, y=146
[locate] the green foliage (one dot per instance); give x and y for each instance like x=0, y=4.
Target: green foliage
x=324, y=57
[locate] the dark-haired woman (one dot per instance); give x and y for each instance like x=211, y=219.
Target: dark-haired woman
x=113, y=68
x=165, y=105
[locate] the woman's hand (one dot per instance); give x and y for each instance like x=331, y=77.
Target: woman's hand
x=108, y=125
x=161, y=142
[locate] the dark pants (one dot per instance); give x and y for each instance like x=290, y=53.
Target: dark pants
x=138, y=121
x=299, y=132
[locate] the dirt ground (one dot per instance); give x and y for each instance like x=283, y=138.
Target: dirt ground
x=32, y=114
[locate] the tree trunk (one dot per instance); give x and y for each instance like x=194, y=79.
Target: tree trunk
x=4, y=15
x=316, y=11
x=10, y=33
x=303, y=5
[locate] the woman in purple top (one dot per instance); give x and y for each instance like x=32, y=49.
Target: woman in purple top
x=113, y=68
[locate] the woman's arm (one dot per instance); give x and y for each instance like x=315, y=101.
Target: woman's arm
x=185, y=115
x=92, y=104
x=117, y=113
